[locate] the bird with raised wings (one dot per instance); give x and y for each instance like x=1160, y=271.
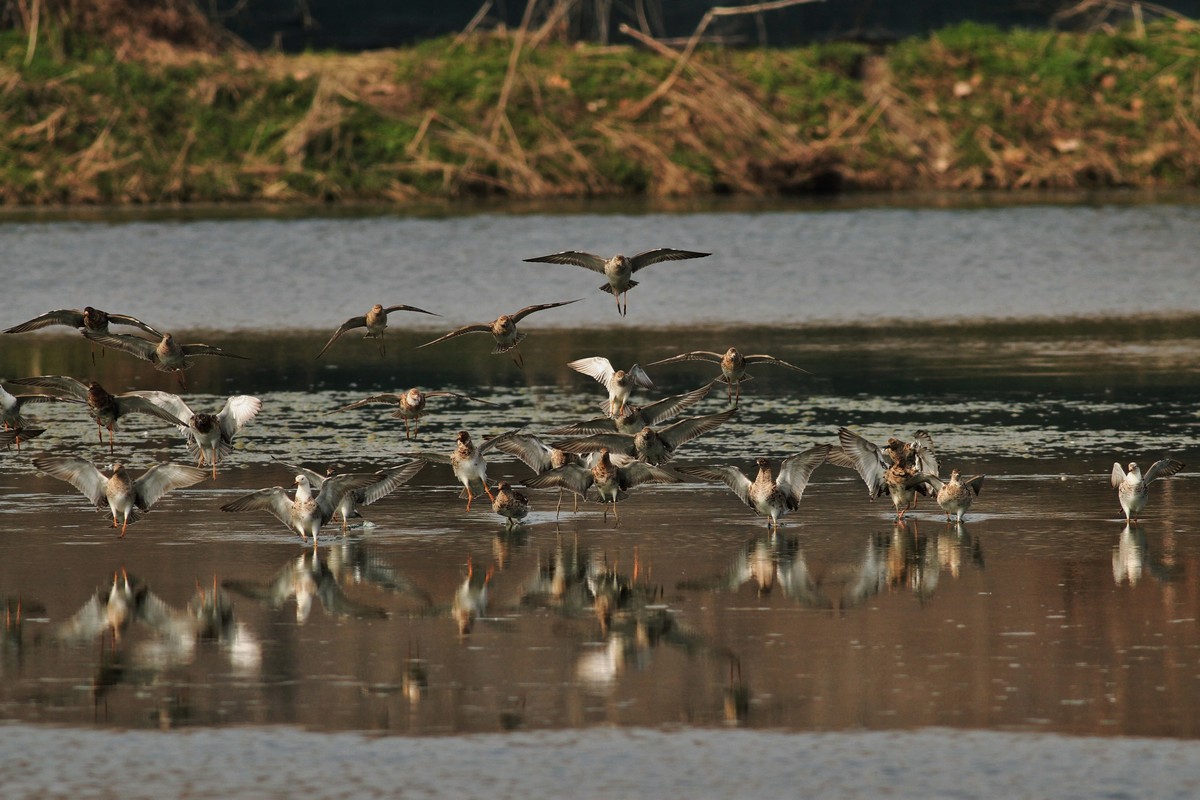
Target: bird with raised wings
x=105, y=408
x=410, y=405
x=375, y=321
x=209, y=436
x=650, y=445
x=769, y=495
x=1132, y=486
x=605, y=482
x=619, y=383
x=127, y=498
x=619, y=269
x=733, y=366
x=387, y=481
x=307, y=513
x=166, y=355
x=503, y=329
x=467, y=462
x=636, y=417
x=899, y=469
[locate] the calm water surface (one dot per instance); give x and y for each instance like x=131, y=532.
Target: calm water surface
x=1037, y=345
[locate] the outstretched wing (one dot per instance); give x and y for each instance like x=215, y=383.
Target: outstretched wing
x=314, y=478
x=132, y=403
x=390, y=309
x=63, y=316
x=695, y=355
x=335, y=488
x=531, y=450
x=390, y=399
x=639, y=377
x=133, y=322
x=527, y=310
x=586, y=260
x=762, y=358
x=571, y=476
x=795, y=471
x=274, y=500
x=864, y=458
x=173, y=404
x=732, y=477
x=162, y=478
x=638, y=473
x=596, y=367
x=480, y=328
x=645, y=259
x=690, y=427
x=238, y=410
x=57, y=383
x=670, y=407
x=388, y=480
x=209, y=350
x=348, y=325
x=1162, y=469
x=78, y=472
x=134, y=345
x=615, y=442
x=1118, y=475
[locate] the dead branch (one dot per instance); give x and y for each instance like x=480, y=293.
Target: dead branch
x=681, y=62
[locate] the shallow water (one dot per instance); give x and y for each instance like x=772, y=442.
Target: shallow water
x=1042, y=613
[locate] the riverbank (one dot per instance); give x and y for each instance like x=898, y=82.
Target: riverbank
x=968, y=108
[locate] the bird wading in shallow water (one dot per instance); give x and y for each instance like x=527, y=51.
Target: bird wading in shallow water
x=650, y=445
x=307, y=513
x=606, y=480
x=504, y=330
x=128, y=499
x=375, y=321
x=510, y=504
x=955, y=495
x=897, y=469
x=619, y=269
x=467, y=463
x=210, y=436
x=1132, y=486
x=770, y=496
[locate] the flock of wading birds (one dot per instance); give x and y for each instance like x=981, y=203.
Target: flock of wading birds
x=604, y=459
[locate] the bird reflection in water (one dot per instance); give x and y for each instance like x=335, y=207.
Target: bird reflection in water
x=1132, y=558
x=471, y=598
x=304, y=579
x=126, y=607
x=769, y=561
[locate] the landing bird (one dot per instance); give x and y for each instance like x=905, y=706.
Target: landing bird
x=307, y=513
x=608, y=482
x=89, y=319
x=387, y=481
x=410, y=405
x=375, y=321
x=619, y=269
x=510, y=504
x=166, y=355
x=770, y=496
x=619, y=383
x=209, y=436
x=733, y=366
x=126, y=498
x=1131, y=487
x=636, y=417
x=503, y=329
x=652, y=446
x=105, y=408
x=467, y=462
x=899, y=468
x=955, y=495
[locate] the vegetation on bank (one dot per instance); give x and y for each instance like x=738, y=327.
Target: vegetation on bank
x=969, y=107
